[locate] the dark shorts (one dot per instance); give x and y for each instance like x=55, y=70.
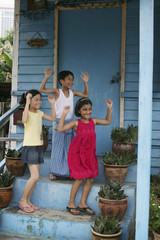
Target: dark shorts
x=32, y=154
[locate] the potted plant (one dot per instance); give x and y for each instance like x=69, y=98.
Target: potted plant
x=14, y=163
x=45, y=132
x=155, y=186
x=154, y=217
x=106, y=228
x=116, y=165
x=124, y=139
x=112, y=200
x=6, y=188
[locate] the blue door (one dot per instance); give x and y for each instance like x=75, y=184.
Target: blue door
x=90, y=41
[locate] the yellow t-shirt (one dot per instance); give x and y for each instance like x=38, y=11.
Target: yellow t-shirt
x=33, y=129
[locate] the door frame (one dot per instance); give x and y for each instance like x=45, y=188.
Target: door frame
x=123, y=43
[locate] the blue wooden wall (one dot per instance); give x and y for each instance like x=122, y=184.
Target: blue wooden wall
x=32, y=63
x=132, y=75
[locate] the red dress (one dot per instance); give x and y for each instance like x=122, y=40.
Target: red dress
x=82, y=160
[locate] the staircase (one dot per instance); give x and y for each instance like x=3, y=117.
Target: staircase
x=52, y=221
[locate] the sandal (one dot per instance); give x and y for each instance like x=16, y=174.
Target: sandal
x=85, y=210
x=52, y=177
x=34, y=207
x=26, y=209
x=76, y=211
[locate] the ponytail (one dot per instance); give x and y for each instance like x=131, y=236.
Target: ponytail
x=23, y=99
x=34, y=92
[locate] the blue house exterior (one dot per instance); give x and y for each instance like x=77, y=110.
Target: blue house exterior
x=118, y=44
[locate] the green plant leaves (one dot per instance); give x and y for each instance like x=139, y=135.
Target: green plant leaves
x=129, y=135
x=106, y=225
x=6, y=179
x=119, y=158
x=112, y=192
x=13, y=153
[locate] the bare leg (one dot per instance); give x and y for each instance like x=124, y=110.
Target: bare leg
x=86, y=190
x=30, y=193
x=29, y=185
x=74, y=190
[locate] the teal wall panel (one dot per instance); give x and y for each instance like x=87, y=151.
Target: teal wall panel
x=32, y=63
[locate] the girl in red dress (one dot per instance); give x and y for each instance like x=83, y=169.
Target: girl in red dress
x=82, y=160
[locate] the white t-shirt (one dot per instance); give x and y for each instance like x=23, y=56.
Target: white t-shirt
x=61, y=102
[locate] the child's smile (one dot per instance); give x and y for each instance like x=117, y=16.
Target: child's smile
x=86, y=111
x=36, y=102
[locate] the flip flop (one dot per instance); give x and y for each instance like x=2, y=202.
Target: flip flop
x=85, y=210
x=34, y=207
x=52, y=177
x=26, y=209
x=73, y=213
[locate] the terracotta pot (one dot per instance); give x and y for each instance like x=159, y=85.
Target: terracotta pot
x=45, y=143
x=115, y=172
x=15, y=166
x=156, y=236
x=5, y=196
x=118, y=147
x=98, y=236
x=113, y=208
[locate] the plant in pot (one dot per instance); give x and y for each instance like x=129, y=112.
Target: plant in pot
x=45, y=132
x=106, y=228
x=6, y=188
x=112, y=200
x=154, y=217
x=155, y=186
x=14, y=163
x=124, y=139
x=116, y=165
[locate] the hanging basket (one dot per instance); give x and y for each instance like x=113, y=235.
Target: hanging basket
x=37, y=42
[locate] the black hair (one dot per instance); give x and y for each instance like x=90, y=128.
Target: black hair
x=34, y=92
x=63, y=74
x=80, y=103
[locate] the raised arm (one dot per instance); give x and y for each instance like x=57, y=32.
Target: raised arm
x=84, y=77
x=108, y=117
x=43, y=88
x=51, y=117
x=64, y=127
x=26, y=108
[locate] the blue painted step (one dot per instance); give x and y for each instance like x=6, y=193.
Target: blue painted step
x=52, y=221
x=53, y=224
x=55, y=194
x=131, y=175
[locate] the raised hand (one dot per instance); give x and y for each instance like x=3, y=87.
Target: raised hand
x=28, y=98
x=85, y=76
x=109, y=103
x=66, y=110
x=48, y=72
x=51, y=99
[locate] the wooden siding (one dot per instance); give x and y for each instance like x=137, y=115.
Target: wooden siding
x=132, y=76
x=32, y=63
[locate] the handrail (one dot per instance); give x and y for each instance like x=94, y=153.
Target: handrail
x=6, y=115
x=4, y=139
x=3, y=120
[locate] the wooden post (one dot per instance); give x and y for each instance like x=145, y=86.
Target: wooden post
x=55, y=69
x=15, y=62
x=123, y=52
x=144, y=118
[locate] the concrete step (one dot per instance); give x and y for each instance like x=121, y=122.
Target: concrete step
x=53, y=224
x=56, y=194
x=17, y=237
x=131, y=175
